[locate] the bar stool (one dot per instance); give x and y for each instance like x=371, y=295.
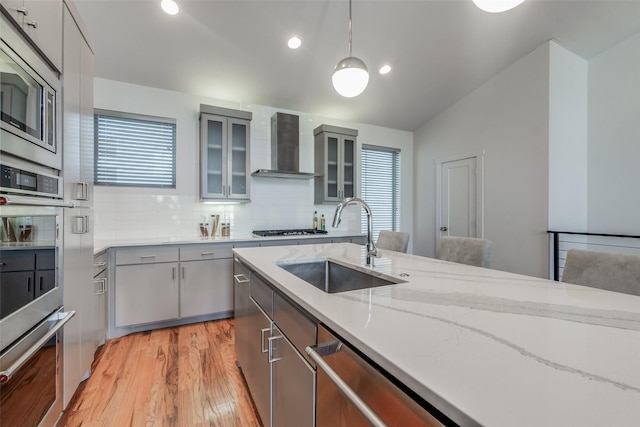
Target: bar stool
x=465, y=250
x=397, y=241
x=603, y=270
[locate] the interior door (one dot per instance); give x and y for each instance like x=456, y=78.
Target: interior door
x=458, y=198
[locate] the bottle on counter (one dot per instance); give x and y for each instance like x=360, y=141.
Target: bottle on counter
x=315, y=220
x=323, y=226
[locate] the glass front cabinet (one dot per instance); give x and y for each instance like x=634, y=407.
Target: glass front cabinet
x=335, y=162
x=224, y=153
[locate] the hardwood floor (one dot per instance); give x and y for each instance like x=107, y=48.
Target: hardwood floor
x=183, y=376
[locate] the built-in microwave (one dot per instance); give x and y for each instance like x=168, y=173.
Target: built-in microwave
x=29, y=91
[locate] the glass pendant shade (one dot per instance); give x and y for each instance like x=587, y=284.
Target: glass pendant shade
x=170, y=7
x=350, y=77
x=496, y=6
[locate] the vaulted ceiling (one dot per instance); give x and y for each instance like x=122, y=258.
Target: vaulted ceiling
x=439, y=50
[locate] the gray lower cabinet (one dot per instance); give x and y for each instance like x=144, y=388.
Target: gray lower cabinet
x=281, y=381
x=146, y=293
x=293, y=384
x=156, y=284
x=201, y=292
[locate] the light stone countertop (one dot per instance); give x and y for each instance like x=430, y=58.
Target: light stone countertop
x=485, y=347
x=100, y=245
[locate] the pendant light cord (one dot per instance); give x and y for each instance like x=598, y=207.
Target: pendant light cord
x=350, y=29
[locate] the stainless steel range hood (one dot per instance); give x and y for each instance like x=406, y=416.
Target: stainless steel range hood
x=285, y=149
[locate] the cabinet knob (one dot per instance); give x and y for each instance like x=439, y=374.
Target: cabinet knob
x=443, y=228
x=32, y=24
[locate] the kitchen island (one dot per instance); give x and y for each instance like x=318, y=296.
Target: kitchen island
x=482, y=346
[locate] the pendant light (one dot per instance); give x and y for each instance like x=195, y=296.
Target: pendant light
x=496, y=6
x=350, y=77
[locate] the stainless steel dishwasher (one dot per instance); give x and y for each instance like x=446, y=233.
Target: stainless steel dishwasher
x=351, y=392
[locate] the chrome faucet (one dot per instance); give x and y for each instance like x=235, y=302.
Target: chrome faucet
x=372, y=251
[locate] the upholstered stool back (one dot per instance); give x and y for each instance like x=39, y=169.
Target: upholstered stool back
x=465, y=250
x=603, y=270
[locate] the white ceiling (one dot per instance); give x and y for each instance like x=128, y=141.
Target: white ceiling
x=440, y=50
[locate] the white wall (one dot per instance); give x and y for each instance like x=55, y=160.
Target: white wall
x=568, y=94
x=275, y=203
x=614, y=139
x=508, y=116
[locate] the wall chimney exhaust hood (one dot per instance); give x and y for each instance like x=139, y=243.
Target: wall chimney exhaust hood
x=285, y=149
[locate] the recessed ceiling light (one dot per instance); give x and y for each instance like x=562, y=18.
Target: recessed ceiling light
x=294, y=42
x=170, y=7
x=385, y=69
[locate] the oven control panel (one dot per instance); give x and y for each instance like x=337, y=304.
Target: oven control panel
x=21, y=181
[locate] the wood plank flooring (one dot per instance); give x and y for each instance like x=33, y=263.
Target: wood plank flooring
x=183, y=376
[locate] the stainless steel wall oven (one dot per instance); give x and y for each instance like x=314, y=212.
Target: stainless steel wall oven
x=29, y=101
x=31, y=312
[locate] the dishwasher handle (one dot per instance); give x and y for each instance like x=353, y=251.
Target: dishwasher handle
x=364, y=409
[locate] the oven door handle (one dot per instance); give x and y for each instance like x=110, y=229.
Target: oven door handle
x=62, y=319
x=32, y=201
x=364, y=409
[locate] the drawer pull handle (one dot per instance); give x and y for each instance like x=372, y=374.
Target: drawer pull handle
x=240, y=278
x=364, y=409
x=207, y=253
x=99, y=264
x=147, y=256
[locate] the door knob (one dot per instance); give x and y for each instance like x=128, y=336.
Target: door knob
x=443, y=228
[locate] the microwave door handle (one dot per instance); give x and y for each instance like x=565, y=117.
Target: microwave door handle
x=5, y=376
x=29, y=201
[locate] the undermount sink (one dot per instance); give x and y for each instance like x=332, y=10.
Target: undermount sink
x=332, y=277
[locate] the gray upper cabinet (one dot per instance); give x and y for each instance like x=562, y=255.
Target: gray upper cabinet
x=224, y=153
x=336, y=162
x=42, y=22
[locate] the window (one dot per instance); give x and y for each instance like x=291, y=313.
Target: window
x=380, y=188
x=134, y=150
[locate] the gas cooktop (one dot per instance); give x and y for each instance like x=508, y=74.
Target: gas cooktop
x=295, y=232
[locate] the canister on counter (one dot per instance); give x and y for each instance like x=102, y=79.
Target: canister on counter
x=225, y=229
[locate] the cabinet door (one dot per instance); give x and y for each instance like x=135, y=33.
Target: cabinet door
x=206, y=287
x=101, y=290
x=43, y=23
x=14, y=7
x=146, y=293
x=241, y=294
x=44, y=282
x=332, y=171
x=71, y=109
x=256, y=369
x=348, y=167
x=16, y=289
x=238, y=160
x=213, y=181
x=86, y=123
x=294, y=384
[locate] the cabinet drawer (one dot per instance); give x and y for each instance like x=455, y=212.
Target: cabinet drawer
x=262, y=294
x=146, y=255
x=296, y=326
x=46, y=259
x=17, y=260
x=201, y=252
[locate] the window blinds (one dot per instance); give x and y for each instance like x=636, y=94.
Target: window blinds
x=380, y=188
x=134, y=150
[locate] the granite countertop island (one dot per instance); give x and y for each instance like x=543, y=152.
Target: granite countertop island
x=483, y=346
